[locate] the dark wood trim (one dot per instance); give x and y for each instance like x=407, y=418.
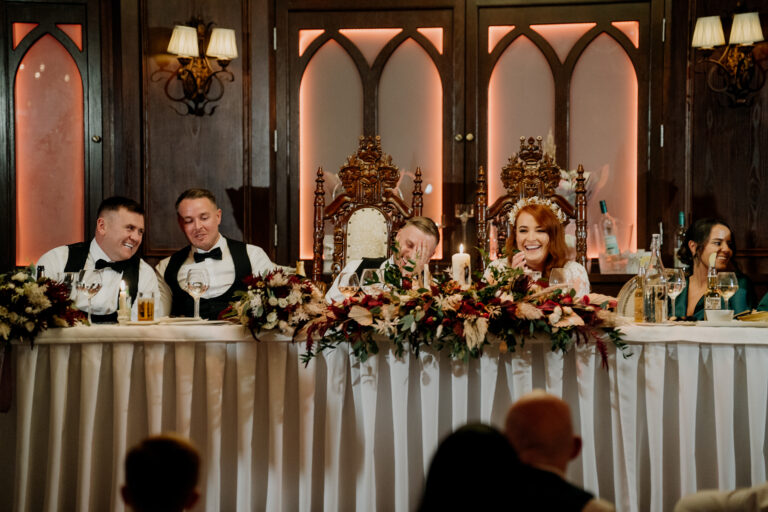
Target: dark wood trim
x=246, y=125
x=88, y=61
x=7, y=178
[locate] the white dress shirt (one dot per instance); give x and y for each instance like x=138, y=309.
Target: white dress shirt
x=221, y=273
x=105, y=302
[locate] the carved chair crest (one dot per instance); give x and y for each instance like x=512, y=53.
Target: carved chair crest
x=369, y=180
x=530, y=172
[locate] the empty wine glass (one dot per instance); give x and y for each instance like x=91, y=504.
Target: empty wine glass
x=68, y=279
x=196, y=286
x=557, y=277
x=675, y=279
x=349, y=284
x=728, y=284
x=89, y=283
x=464, y=212
x=372, y=281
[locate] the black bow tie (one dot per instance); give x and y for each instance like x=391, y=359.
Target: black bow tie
x=117, y=266
x=201, y=256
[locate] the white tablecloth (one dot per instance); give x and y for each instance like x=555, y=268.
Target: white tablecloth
x=686, y=411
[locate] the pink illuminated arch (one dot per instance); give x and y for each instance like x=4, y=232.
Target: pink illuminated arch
x=49, y=149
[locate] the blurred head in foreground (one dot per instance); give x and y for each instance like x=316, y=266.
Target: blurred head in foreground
x=471, y=470
x=539, y=427
x=161, y=475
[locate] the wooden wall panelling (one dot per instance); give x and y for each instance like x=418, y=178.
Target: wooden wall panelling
x=729, y=174
x=128, y=71
x=183, y=151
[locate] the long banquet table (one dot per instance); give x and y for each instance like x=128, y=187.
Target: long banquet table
x=686, y=411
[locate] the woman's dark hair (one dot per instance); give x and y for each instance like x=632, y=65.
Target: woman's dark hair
x=698, y=232
x=476, y=458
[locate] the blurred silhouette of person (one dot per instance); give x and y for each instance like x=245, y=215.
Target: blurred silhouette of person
x=161, y=475
x=539, y=428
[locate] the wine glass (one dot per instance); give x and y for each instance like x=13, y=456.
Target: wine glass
x=349, y=283
x=68, y=279
x=89, y=282
x=728, y=284
x=675, y=279
x=196, y=286
x=372, y=281
x=557, y=277
x=464, y=212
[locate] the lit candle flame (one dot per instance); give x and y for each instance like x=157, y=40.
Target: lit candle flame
x=122, y=285
x=461, y=248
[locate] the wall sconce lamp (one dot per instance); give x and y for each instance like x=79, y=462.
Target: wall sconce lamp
x=201, y=85
x=735, y=72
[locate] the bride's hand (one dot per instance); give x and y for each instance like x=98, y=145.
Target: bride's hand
x=518, y=260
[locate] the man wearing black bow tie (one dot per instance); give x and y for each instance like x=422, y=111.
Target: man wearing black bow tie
x=227, y=261
x=114, y=248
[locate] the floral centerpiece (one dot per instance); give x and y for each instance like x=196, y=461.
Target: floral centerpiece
x=276, y=300
x=29, y=306
x=505, y=311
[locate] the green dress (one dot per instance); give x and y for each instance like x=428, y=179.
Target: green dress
x=763, y=306
x=743, y=300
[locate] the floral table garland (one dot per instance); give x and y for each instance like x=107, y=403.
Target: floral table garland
x=29, y=306
x=505, y=312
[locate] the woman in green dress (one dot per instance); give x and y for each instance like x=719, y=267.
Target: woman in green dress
x=703, y=238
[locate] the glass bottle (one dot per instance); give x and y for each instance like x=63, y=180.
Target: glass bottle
x=712, y=298
x=680, y=239
x=654, y=285
x=609, y=230
x=639, y=293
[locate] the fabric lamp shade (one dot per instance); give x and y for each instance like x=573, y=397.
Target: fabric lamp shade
x=184, y=42
x=222, y=44
x=708, y=32
x=746, y=29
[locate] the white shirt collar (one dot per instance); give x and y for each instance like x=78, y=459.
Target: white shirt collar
x=97, y=252
x=219, y=243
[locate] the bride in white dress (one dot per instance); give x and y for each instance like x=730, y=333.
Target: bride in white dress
x=537, y=244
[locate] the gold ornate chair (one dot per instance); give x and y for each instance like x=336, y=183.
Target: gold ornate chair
x=528, y=173
x=367, y=214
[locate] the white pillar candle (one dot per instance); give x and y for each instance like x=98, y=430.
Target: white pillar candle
x=123, y=310
x=461, y=267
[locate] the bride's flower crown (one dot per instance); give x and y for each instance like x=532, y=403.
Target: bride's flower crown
x=535, y=200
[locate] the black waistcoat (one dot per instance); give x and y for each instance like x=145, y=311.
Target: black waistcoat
x=183, y=304
x=78, y=253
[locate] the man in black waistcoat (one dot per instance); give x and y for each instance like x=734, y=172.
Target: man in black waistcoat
x=227, y=261
x=539, y=427
x=114, y=250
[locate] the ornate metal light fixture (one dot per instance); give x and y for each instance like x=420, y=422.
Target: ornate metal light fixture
x=201, y=85
x=734, y=73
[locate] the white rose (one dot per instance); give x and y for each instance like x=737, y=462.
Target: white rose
x=272, y=301
x=282, y=303
x=272, y=317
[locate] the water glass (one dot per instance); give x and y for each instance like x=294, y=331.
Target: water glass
x=196, y=286
x=349, y=284
x=89, y=282
x=728, y=285
x=372, y=281
x=557, y=277
x=655, y=303
x=675, y=278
